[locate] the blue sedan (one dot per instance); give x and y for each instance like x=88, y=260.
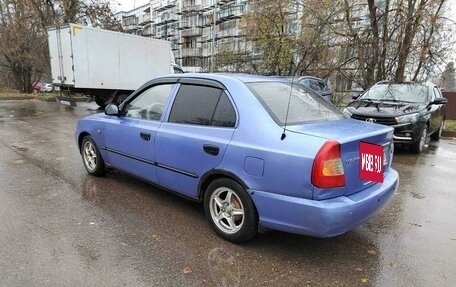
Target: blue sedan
x=259, y=152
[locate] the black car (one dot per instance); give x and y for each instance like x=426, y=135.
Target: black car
x=415, y=110
x=318, y=85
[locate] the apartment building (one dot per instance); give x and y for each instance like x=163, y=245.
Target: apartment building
x=197, y=29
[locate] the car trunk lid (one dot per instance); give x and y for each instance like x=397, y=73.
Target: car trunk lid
x=349, y=133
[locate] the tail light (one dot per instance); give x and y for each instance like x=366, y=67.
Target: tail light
x=328, y=170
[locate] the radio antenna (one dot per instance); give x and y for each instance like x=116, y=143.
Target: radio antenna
x=284, y=135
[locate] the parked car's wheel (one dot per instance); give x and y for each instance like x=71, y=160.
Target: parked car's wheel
x=420, y=145
x=230, y=210
x=91, y=157
x=436, y=135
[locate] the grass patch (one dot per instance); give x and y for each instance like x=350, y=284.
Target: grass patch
x=450, y=125
x=11, y=94
x=7, y=94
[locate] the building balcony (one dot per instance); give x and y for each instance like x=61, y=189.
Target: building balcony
x=143, y=20
x=228, y=14
x=192, y=52
x=231, y=33
x=223, y=2
x=167, y=19
x=192, y=32
x=148, y=30
x=163, y=5
x=191, y=9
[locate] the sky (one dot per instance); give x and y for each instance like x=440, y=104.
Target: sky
x=127, y=5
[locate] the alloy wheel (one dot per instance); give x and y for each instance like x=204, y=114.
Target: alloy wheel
x=226, y=210
x=90, y=156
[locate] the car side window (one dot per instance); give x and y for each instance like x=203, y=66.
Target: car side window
x=202, y=105
x=224, y=115
x=437, y=94
x=149, y=104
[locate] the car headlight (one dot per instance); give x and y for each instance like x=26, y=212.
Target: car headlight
x=411, y=118
x=347, y=112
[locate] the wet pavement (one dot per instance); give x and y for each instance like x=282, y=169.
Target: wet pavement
x=62, y=227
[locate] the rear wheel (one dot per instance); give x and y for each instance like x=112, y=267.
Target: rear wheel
x=91, y=157
x=420, y=145
x=436, y=135
x=230, y=210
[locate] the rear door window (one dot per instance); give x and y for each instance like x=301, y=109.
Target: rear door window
x=202, y=105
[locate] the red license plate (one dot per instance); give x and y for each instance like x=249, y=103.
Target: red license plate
x=371, y=162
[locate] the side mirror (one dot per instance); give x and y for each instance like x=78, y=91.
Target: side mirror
x=112, y=110
x=356, y=96
x=439, y=101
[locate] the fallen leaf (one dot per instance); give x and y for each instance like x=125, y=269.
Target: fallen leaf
x=359, y=269
x=363, y=280
x=372, y=252
x=187, y=270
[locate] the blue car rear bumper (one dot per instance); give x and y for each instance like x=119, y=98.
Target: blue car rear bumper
x=323, y=218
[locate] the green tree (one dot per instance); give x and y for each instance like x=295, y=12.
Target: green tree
x=267, y=26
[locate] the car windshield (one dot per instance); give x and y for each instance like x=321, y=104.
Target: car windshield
x=304, y=106
x=403, y=92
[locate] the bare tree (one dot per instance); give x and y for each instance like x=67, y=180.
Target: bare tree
x=397, y=40
x=23, y=38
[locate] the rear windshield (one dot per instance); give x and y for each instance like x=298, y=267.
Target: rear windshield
x=304, y=106
x=401, y=92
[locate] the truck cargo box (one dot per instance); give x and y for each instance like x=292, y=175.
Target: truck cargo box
x=91, y=58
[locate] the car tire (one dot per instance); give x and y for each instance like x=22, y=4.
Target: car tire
x=420, y=145
x=436, y=135
x=91, y=157
x=102, y=101
x=230, y=210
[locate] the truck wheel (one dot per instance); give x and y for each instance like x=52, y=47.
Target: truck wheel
x=120, y=98
x=91, y=157
x=101, y=101
x=230, y=210
x=420, y=145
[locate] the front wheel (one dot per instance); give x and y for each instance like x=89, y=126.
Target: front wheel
x=230, y=210
x=91, y=157
x=420, y=145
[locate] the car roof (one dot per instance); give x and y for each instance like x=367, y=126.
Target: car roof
x=405, y=83
x=311, y=78
x=245, y=78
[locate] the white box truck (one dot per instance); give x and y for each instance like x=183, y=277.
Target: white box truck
x=105, y=65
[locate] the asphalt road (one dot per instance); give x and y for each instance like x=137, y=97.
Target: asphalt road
x=62, y=227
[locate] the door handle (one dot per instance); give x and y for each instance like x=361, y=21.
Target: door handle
x=211, y=149
x=145, y=136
